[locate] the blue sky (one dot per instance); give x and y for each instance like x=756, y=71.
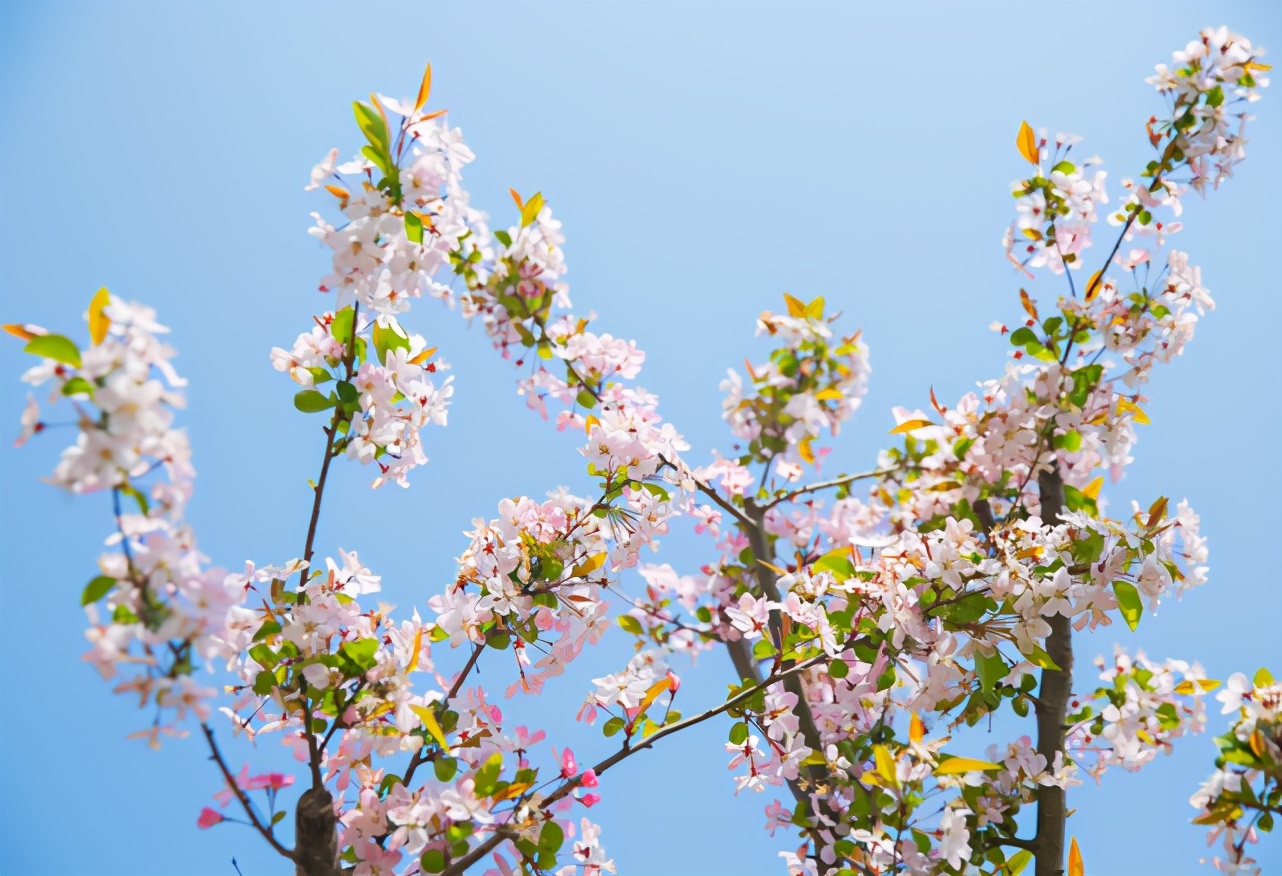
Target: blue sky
x=704, y=159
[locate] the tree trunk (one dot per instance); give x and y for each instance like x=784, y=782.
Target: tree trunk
x=316, y=835
x=1052, y=705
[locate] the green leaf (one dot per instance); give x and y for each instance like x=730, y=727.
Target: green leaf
x=990, y=669
x=413, y=227
x=1042, y=660
x=361, y=653
x=371, y=123
x=432, y=861
x=503, y=237
x=1070, y=441
x=78, y=386
x=97, y=589
x=763, y=649
x=586, y=399
x=1076, y=500
x=1016, y=863
x=264, y=682
x=341, y=327
x=837, y=562
x=838, y=669
x=270, y=627
x=550, y=838
x=309, y=401
x=738, y=733
x=1022, y=336
x=278, y=817
x=388, y=338
x=1128, y=600
x=347, y=393
x=445, y=768
x=629, y=624
x=488, y=775
x=612, y=726
x=56, y=347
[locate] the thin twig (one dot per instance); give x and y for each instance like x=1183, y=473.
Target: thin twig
x=243, y=797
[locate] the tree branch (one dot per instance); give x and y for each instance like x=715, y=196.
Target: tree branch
x=842, y=481
x=263, y=829
x=460, y=866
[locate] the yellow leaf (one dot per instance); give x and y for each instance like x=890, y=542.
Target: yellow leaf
x=1256, y=65
x=885, y=765
x=1136, y=412
x=591, y=564
x=338, y=191
x=589, y=422
x=1091, y=491
x=418, y=643
x=832, y=393
x=1032, y=234
x=1094, y=284
x=1224, y=812
x=795, y=307
x=1026, y=141
x=1144, y=736
x=1026, y=553
x=428, y=717
x=956, y=765
x=806, y=451
x=772, y=567
x=944, y=487
x=910, y=425
x=516, y=789
x=424, y=90
x=1075, y=867
x=99, y=322
x=916, y=729
x=1188, y=686
x=815, y=309
x=652, y=694
x=1256, y=742
x=423, y=356
x=530, y=211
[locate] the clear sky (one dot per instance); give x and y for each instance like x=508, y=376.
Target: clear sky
x=704, y=159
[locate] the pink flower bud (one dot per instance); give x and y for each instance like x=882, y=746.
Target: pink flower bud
x=208, y=818
x=589, y=779
x=590, y=800
x=674, y=681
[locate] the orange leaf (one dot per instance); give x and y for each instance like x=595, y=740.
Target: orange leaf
x=1029, y=307
x=418, y=643
x=25, y=332
x=423, y=356
x=424, y=90
x=806, y=451
x=934, y=402
x=1075, y=867
x=916, y=729
x=1093, y=286
x=653, y=693
x=910, y=425
x=338, y=191
x=1027, y=143
x=519, y=204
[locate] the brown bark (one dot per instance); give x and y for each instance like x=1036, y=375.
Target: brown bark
x=1052, y=705
x=316, y=835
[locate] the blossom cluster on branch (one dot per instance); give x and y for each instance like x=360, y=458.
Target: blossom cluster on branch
x=867, y=624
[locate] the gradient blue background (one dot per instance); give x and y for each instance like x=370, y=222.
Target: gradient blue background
x=704, y=159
